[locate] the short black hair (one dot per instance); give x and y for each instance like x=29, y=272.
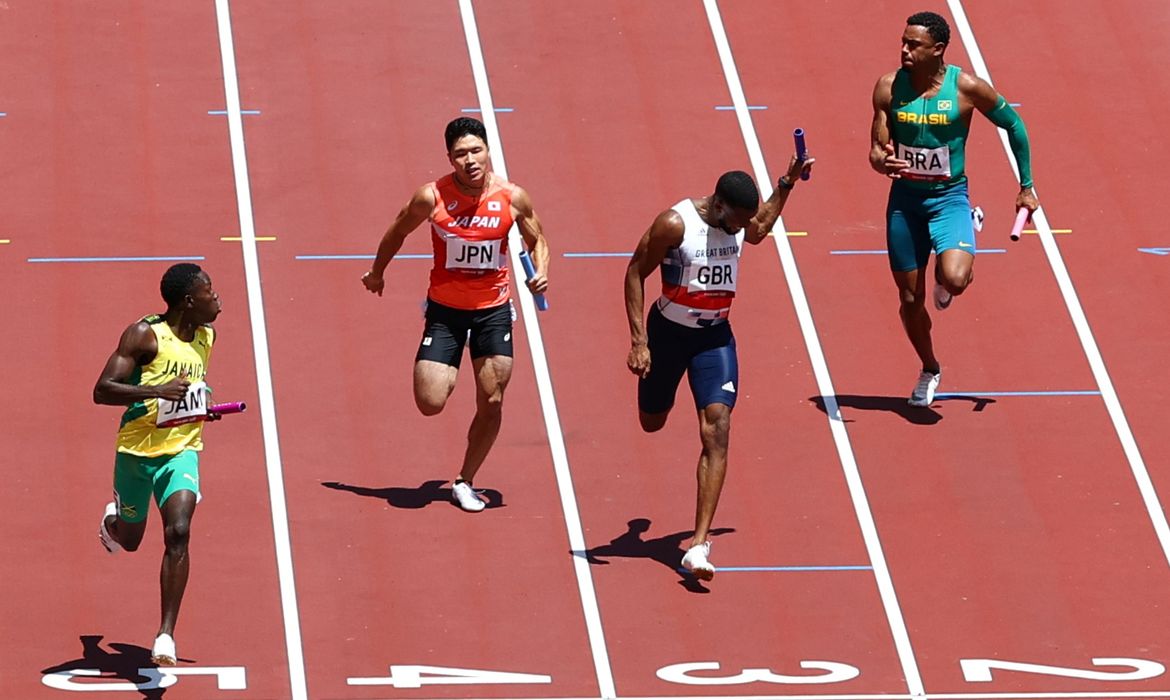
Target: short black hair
x=464, y=126
x=936, y=26
x=177, y=282
x=737, y=189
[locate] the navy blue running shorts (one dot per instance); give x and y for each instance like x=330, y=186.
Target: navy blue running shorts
x=707, y=356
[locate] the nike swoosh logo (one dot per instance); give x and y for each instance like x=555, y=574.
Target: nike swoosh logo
x=964, y=245
x=902, y=104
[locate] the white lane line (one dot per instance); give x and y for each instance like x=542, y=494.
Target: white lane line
x=885, y=583
x=552, y=421
x=283, y=544
x=1096, y=362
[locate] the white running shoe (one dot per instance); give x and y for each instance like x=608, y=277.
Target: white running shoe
x=923, y=394
x=163, y=653
x=942, y=298
x=465, y=496
x=977, y=219
x=104, y=535
x=695, y=561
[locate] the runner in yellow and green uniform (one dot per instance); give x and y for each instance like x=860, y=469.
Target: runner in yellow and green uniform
x=158, y=372
x=921, y=116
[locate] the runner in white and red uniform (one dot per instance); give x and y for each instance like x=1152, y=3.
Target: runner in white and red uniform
x=470, y=213
x=696, y=246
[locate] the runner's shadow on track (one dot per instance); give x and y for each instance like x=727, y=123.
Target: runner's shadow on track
x=421, y=497
x=666, y=550
x=898, y=405
x=121, y=666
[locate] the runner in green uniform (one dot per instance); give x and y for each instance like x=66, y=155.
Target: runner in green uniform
x=921, y=116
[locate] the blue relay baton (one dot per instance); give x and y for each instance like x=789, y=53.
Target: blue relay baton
x=530, y=272
x=801, y=151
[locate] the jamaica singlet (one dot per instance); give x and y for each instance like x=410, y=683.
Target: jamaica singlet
x=470, y=238
x=929, y=132
x=157, y=427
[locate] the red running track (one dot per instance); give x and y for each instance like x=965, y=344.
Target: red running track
x=1011, y=525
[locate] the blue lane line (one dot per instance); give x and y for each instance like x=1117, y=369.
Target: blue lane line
x=221, y=112
x=162, y=258
x=978, y=394
x=597, y=255
x=749, y=569
x=400, y=256
x=731, y=108
x=883, y=251
x=471, y=110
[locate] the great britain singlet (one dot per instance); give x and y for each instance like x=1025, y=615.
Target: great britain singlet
x=157, y=427
x=698, y=276
x=470, y=238
x=929, y=132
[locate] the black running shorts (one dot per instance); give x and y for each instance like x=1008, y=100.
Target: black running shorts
x=448, y=329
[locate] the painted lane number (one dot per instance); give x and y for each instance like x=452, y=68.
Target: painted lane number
x=979, y=670
x=410, y=676
x=226, y=678
x=834, y=672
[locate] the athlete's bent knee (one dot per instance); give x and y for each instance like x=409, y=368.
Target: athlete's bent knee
x=428, y=406
x=715, y=426
x=956, y=283
x=176, y=534
x=910, y=301
x=652, y=422
x=491, y=405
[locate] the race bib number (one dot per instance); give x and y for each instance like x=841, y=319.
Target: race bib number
x=926, y=163
x=463, y=254
x=189, y=409
x=718, y=276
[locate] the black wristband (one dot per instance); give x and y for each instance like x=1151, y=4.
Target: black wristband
x=785, y=183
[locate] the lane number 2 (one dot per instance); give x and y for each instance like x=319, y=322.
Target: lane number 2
x=979, y=670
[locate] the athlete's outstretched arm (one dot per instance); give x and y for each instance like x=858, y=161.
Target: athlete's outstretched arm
x=416, y=211
x=665, y=233
x=882, y=157
x=136, y=348
x=762, y=223
x=532, y=232
x=999, y=112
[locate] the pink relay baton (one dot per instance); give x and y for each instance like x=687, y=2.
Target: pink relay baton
x=1018, y=226
x=225, y=408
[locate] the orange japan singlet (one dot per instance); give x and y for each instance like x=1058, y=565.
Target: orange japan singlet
x=470, y=237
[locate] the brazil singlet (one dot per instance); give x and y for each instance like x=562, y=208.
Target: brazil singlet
x=929, y=132
x=699, y=276
x=470, y=238
x=157, y=427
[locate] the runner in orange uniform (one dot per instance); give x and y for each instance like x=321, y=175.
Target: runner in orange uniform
x=470, y=212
